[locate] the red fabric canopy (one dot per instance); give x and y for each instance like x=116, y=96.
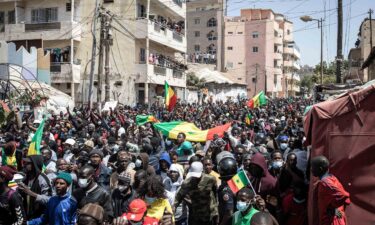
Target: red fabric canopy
x=343, y=130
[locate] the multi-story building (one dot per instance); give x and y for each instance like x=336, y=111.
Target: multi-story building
x=358, y=55
x=204, y=31
x=255, y=43
x=138, y=29
x=160, y=48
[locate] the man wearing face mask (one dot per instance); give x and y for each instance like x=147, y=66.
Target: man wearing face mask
x=283, y=143
x=277, y=163
x=245, y=201
x=122, y=195
x=91, y=192
x=123, y=164
x=142, y=163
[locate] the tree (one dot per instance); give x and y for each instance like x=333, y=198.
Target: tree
x=193, y=81
x=329, y=72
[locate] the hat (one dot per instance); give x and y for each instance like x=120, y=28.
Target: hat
x=195, y=170
x=200, y=153
x=70, y=141
x=124, y=177
x=174, y=168
x=7, y=172
x=65, y=176
x=96, y=152
x=93, y=210
x=89, y=143
x=137, y=209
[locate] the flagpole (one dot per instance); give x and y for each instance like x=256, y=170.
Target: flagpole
x=251, y=185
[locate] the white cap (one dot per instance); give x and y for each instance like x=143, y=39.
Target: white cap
x=282, y=118
x=70, y=141
x=121, y=131
x=37, y=122
x=195, y=170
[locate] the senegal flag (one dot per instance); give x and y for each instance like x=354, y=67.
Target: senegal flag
x=140, y=119
x=170, y=97
x=248, y=119
x=34, y=148
x=259, y=100
x=193, y=133
x=238, y=181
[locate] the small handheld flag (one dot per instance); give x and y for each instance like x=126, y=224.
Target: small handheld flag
x=34, y=148
x=259, y=100
x=239, y=181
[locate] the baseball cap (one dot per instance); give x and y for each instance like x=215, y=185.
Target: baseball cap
x=137, y=209
x=70, y=141
x=195, y=170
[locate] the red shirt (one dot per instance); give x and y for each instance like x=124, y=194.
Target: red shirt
x=296, y=213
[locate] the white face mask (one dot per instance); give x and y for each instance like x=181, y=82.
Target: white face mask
x=83, y=183
x=138, y=163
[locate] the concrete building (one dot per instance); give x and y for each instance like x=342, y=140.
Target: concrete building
x=204, y=31
x=259, y=48
x=358, y=55
x=139, y=28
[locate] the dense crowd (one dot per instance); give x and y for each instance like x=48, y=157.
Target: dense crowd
x=101, y=167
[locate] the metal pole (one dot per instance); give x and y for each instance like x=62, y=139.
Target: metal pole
x=339, y=57
x=101, y=59
x=321, y=50
x=107, y=49
x=93, y=55
x=369, y=68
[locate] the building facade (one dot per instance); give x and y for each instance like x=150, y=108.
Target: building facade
x=259, y=48
x=138, y=29
x=204, y=31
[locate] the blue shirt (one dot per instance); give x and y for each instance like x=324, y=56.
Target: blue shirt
x=61, y=210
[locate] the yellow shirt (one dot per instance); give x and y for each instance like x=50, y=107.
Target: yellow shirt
x=157, y=208
x=217, y=176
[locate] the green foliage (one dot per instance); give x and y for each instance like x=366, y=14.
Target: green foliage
x=329, y=72
x=193, y=81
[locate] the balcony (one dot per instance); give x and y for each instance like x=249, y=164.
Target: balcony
x=278, y=55
x=172, y=6
x=162, y=35
x=47, y=31
x=65, y=73
x=278, y=40
x=296, y=66
x=277, y=70
x=288, y=63
x=158, y=75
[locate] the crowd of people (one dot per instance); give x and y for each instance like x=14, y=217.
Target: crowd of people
x=166, y=61
x=102, y=168
x=206, y=58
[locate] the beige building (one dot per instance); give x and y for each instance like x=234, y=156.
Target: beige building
x=259, y=48
x=139, y=28
x=204, y=31
x=358, y=55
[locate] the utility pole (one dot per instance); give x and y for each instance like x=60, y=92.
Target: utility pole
x=108, y=43
x=321, y=50
x=370, y=17
x=256, y=77
x=93, y=54
x=101, y=58
x=339, y=56
x=222, y=53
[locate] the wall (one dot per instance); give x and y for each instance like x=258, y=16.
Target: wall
x=192, y=96
x=221, y=92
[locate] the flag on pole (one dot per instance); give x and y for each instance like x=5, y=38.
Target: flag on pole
x=248, y=119
x=259, y=100
x=170, y=97
x=34, y=148
x=238, y=181
x=141, y=119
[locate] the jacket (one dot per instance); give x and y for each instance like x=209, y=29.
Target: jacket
x=102, y=179
x=267, y=183
x=61, y=210
x=97, y=195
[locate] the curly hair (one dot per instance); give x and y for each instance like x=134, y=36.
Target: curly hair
x=155, y=186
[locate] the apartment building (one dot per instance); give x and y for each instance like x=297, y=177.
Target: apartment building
x=160, y=48
x=358, y=55
x=204, y=31
x=255, y=43
x=138, y=29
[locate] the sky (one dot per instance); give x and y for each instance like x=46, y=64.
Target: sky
x=307, y=35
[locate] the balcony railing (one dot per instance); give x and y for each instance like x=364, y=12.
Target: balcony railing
x=177, y=37
x=42, y=26
x=162, y=71
x=178, y=2
x=178, y=73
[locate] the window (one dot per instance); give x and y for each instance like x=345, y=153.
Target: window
x=12, y=17
x=275, y=63
x=2, y=21
x=211, y=36
x=239, y=32
x=211, y=49
x=211, y=22
x=68, y=6
x=255, y=49
x=197, y=34
x=276, y=34
x=255, y=34
x=229, y=65
x=239, y=63
x=197, y=48
x=230, y=32
x=108, y=1
x=197, y=21
x=141, y=11
x=142, y=55
x=44, y=15
x=275, y=79
x=288, y=31
x=230, y=48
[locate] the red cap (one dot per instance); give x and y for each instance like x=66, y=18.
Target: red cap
x=137, y=209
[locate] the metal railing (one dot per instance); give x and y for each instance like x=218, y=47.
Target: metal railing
x=177, y=37
x=160, y=70
x=178, y=73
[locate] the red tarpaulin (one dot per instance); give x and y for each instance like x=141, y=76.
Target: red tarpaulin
x=343, y=130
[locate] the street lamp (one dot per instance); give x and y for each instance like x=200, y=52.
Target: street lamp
x=320, y=26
